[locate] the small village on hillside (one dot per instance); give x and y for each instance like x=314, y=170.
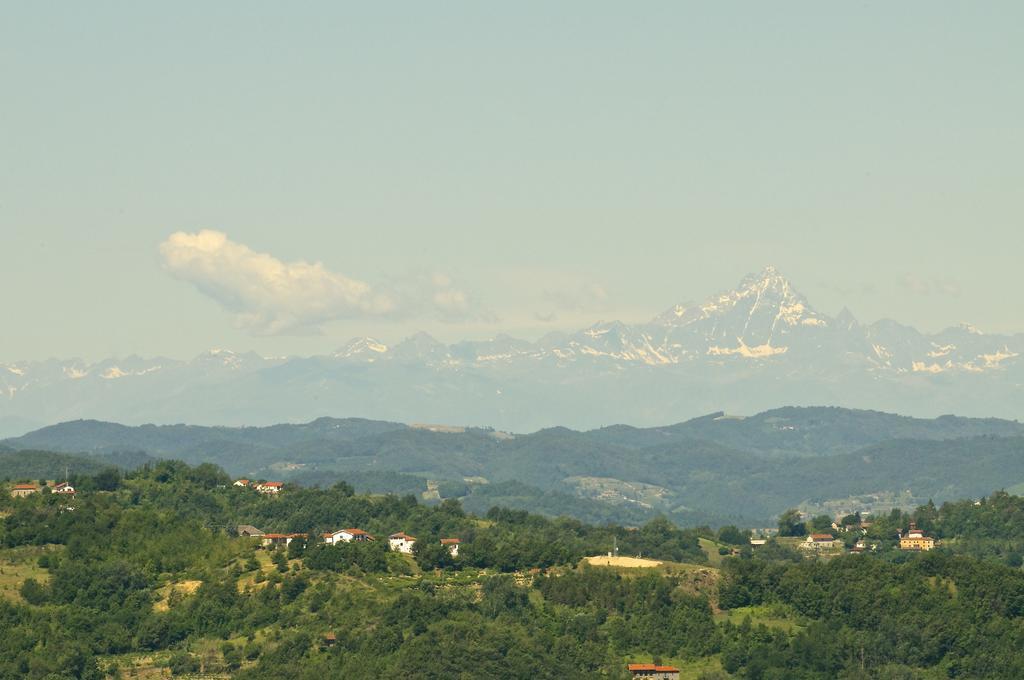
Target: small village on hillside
x=827, y=536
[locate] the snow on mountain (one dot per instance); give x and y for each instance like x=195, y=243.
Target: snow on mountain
x=748, y=348
x=363, y=348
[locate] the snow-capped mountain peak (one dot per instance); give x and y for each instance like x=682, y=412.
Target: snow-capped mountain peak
x=759, y=313
x=365, y=346
x=761, y=330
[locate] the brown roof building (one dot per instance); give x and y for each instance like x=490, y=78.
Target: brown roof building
x=655, y=671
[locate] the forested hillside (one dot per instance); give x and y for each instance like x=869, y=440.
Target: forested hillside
x=145, y=574
x=50, y=465
x=714, y=470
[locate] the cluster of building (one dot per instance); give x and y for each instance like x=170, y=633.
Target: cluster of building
x=399, y=542
x=912, y=539
x=23, y=490
x=262, y=487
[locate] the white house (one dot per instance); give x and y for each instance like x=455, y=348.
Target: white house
x=819, y=542
x=280, y=539
x=64, y=487
x=452, y=544
x=401, y=542
x=270, y=487
x=347, y=536
x=241, y=482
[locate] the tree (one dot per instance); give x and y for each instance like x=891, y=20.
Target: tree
x=108, y=479
x=852, y=520
x=296, y=548
x=822, y=523
x=790, y=524
x=733, y=536
x=33, y=592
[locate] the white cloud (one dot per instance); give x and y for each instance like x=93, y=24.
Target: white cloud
x=919, y=286
x=578, y=297
x=269, y=296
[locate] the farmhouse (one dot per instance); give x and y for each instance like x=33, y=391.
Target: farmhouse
x=452, y=544
x=270, y=487
x=819, y=542
x=280, y=539
x=22, y=490
x=249, y=531
x=650, y=670
x=915, y=539
x=347, y=536
x=241, y=482
x=401, y=542
x=64, y=487
x=861, y=545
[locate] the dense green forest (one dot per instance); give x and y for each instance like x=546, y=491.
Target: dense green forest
x=711, y=470
x=51, y=465
x=142, y=573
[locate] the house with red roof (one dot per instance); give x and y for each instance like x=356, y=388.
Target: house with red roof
x=915, y=539
x=64, y=488
x=819, y=542
x=655, y=671
x=22, y=490
x=401, y=542
x=452, y=544
x=270, y=487
x=347, y=536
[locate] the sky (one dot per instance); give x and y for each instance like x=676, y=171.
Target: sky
x=280, y=178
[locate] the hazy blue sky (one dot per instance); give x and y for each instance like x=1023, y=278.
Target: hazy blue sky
x=469, y=168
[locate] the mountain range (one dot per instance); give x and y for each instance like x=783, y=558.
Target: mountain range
x=713, y=469
x=742, y=350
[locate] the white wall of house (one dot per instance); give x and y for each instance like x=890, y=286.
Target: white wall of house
x=401, y=545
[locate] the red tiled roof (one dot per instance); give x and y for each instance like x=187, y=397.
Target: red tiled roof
x=633, y=667
x=822, y=537
x=402, y=534
x=275, y=484
x=25, y=486
x=450, y=541
x=355, y=532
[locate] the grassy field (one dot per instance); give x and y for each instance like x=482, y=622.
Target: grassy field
x=711, y=548
x=622, y=562
x=771, y=616
x=19, y=564
x=182, y=588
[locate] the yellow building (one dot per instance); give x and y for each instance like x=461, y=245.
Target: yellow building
x=22, y=490
x=915, y=539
